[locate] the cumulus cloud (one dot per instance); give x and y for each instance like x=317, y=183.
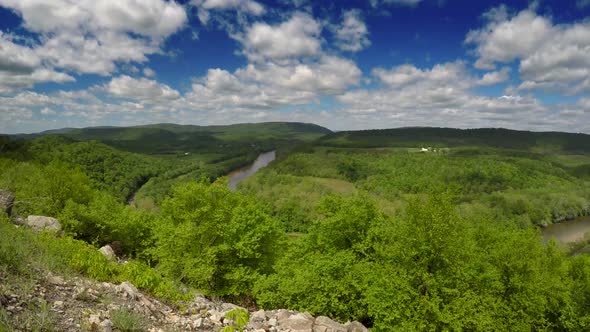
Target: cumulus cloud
x=297, y=37
x=15, y=58
x=351, y=35
x=21, y=67
x=437, y=96
x=93, y=36
x=268, y=86
x=249, y=7
x=47, y=111
x=141, y=89
x=550, y=56
x=495, y=77
x=149, y=72
x=448, y=74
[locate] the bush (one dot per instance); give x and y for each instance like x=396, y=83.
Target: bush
x=214, y=239
x=125, y=320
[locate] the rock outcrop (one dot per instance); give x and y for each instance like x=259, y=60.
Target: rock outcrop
x=6, y=201
x=79, y=304
x=39, y=223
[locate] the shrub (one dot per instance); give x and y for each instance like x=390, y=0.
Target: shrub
x=214, y=239
x=125, y=320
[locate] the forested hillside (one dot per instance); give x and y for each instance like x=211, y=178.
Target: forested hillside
x=395, y=237
x=447, y=137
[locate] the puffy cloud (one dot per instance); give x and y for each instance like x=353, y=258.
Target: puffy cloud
x=551, y=56
x=351, y=35
x=437, y=96
x=149, y=72
x=248, y=6
x=297, y=37
x=204, y=7
x=21, y=67
x=15, y=58
x=495, y=77
x=48, y=111
x=93, y=36
x=141, y=89
x=448, y=74
x=329, y=75
x=156, y=18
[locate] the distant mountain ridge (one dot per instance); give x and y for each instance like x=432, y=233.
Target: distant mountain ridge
x=168, y=138
x=449, y=137
x=181, y=128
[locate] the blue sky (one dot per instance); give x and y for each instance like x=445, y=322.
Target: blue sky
x=341, y=64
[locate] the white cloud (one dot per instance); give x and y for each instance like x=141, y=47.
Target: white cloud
x=149, y=72
x=351, y=35
x=495, y=77
x=438, y=96
x=448, y=74
x=15, y=58
x=250, y=7
x=21, y=67
x=295, y=38
x=89, y=36
x=550, y=56
x=155, y=18
x=583, y=3
x=48, y=111
x=141, y=89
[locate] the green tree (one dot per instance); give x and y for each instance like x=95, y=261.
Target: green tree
x=214, y=239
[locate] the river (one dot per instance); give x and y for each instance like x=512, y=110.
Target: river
x=567, y=231
x=239, y=175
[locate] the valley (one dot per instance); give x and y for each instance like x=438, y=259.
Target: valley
x=390, y=228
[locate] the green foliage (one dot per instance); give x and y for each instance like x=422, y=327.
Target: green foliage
x=43, y=189
x=117, y=172
x=445, y=137
x=24, y=253
x=125, y=320
x=525, y=187
x=104, y=220
x=239, y=318
x=323, y=272
x=429, y=269
x=214, y=239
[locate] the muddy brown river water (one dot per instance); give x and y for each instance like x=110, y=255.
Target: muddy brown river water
x=239, y=175
x=567, y=231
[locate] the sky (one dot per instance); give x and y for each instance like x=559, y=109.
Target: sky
x=337, y=63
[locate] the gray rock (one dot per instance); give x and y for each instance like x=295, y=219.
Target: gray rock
x=325, y=324
x=356, y=327
x=298, y=323
x=106, y=326
x=283, y=314
x=108, y=252
x=128, y=289
x=55, y=280
x=257, y=319
x=6, y=201
x=94, y=322
x=39, y=223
